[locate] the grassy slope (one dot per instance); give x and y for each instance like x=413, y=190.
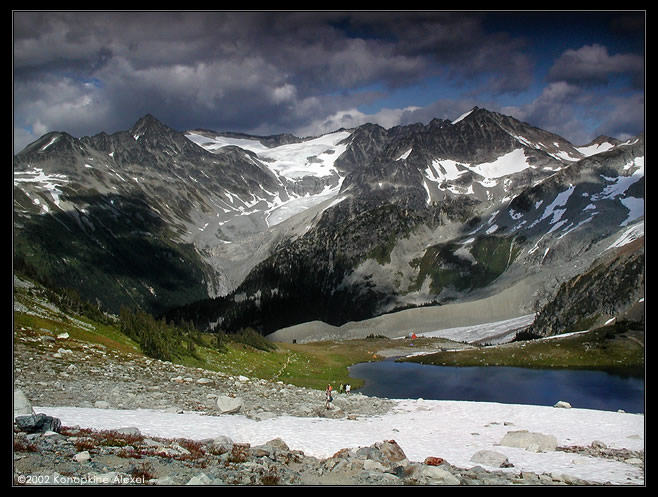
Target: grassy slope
x=616, y=346
x=314, y=365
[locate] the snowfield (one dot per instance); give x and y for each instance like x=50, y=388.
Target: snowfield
x=452, y=430
x=313, y=157
x=293, y=162
x=497, y=332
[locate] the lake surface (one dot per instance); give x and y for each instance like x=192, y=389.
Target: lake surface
x=581, y=388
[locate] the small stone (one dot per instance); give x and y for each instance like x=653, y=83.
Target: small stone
x=83, y=456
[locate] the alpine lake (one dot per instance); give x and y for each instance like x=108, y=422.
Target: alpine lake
x=588, y=389
x=610, y=376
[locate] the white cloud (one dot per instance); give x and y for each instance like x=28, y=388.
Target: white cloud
x=350, y=118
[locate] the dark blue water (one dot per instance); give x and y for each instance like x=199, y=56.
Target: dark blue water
x=581, y=388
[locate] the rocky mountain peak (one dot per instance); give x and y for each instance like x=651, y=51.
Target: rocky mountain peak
x=148, y=124
x=340, y=227
x=155, y=137
x=54, y=141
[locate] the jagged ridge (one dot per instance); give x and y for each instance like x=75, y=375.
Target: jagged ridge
x=341, y=227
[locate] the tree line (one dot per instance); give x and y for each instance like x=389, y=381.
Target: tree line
x=156, y=337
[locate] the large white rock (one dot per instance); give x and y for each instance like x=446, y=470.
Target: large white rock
x=22, y=406
x=229, y=405
x=530, y=441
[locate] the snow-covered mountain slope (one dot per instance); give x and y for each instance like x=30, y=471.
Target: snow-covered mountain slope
x=453, y=211
x=306, y=168
x=341, y=227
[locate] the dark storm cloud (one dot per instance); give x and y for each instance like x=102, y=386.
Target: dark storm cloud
x=593, y=65
x=228, y=68
x=266, y=72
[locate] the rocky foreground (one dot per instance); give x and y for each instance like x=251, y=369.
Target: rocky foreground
x=58, y=371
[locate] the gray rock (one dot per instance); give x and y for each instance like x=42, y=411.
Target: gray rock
x=437, y=476
x=562, y=404
x=491, y=458
x=277, y=443
x=221, y=445
x=38, y=423
x=597, y=444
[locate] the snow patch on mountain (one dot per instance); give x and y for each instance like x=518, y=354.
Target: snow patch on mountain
x=513, y=162
x=404, y=155
x=314, y=157
x=291, y=163
x=285, y=210
x=50, y=183
x=444, y=169
x=595, y=148
x=462, y=117
x=630, y=235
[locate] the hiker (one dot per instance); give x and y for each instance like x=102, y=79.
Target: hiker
x=328, y=396
x=340, y=389
x=348, y=387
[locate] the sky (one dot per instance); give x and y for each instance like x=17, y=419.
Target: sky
x=577, y=74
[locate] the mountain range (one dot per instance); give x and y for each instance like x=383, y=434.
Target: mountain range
x=230, y=230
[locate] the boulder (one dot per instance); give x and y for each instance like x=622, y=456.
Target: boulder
x=530, y=441
x=278, y=443
x=229, y=405
x=221, y=445
x=436, y=475
x=390, y=452
x=491, y=458
x=22, y=406
x=38, y=423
